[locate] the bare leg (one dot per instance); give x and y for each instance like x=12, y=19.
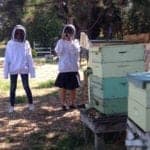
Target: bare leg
x=62, y=95
x=73, y=97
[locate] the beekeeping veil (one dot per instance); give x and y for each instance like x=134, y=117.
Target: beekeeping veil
x=69, y=28
x=19, y=27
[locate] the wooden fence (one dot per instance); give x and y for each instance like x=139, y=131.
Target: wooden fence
x=41, y=51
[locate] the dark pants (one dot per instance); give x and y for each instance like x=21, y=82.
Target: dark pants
x=13, y=85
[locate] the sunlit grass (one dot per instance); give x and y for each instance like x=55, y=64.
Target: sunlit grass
x=4, y=85
x=46, y=84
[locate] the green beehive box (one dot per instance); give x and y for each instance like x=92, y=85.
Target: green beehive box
x=117, y=53
x=139, y=99
x=117, y=69
x=141, y=95
x=116, y=60
x=139, y=114
x=109, y=88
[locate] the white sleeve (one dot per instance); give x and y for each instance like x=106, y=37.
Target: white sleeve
x=30, y=60
x=77, y=44
x=6, y=61
x=59, y=47
x=76, y=47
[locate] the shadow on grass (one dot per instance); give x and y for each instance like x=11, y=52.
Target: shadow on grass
x=2, y=51
x=47, y=128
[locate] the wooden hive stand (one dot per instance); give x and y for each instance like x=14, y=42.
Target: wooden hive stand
x=136, y=138
x=101, y=124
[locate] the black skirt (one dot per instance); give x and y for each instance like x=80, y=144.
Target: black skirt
x=68, y=80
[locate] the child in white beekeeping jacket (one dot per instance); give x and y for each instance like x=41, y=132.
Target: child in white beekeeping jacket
x=68, y=50
x=18, y=60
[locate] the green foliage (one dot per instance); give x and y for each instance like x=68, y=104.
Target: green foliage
x=47, y=84
x=44, y=28
x=12, y=13
x=34, y=53
x=92, y=17
x=71, y=141
x=137, y=19
x=39, y=18
x=44, y=18
x=36, y=1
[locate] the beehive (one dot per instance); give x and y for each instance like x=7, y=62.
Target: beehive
x=116, y=60
x=110, y=63
x=139, y=99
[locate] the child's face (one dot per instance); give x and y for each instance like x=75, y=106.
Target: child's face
x=68, y=35
x=19, y=35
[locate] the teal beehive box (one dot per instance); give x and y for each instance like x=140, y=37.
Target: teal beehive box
x=139, y=99
x=117, y=69
x=109, y=88
x=114, y=106
x=108, y=95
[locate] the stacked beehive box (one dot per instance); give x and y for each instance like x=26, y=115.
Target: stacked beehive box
x=139, y=99
x=110, y=63
x=139, y=110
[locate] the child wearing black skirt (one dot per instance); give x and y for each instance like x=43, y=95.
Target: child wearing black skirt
x=68, y=50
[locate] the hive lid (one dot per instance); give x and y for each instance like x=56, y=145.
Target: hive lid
x=98, y=43
x=139, y=79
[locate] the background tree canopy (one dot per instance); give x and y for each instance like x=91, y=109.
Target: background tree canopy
x=44, y=19
x=137, y=17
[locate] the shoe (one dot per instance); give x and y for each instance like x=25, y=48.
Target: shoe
x=11, y=109
x=72, y=106
x=31, y=107
x=63, y=107
x=81, y=105
x=67, y=107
